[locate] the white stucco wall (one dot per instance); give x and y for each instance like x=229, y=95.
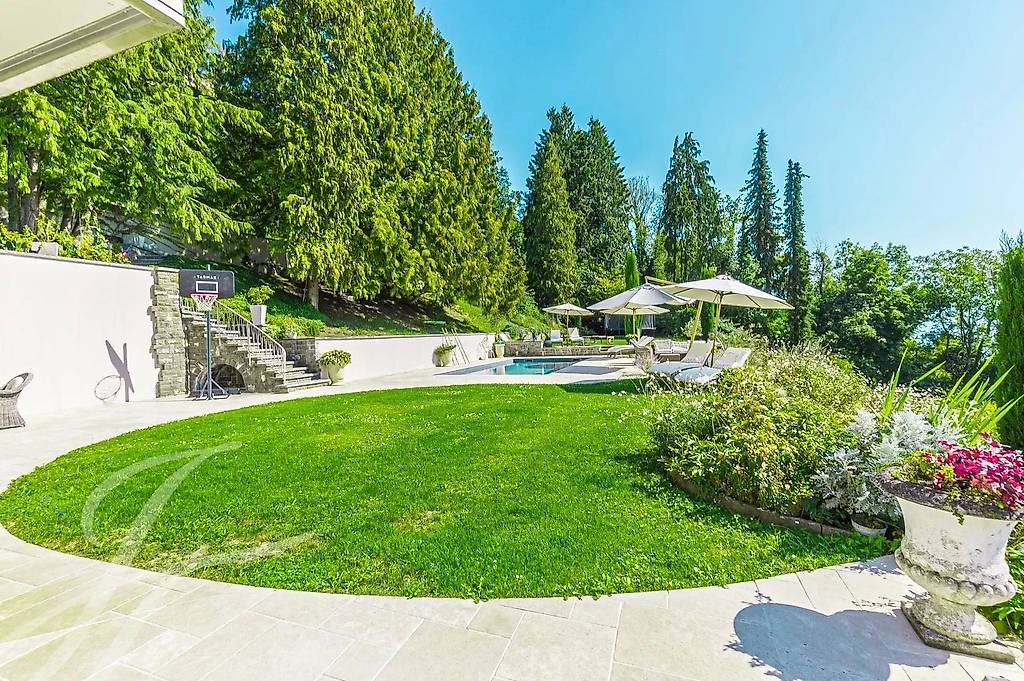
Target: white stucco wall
x=57, y=317
x=382, y=355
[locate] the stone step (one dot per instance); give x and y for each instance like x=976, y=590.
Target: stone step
x=291, y=386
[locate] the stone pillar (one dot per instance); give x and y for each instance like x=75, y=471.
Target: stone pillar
x=169, y=350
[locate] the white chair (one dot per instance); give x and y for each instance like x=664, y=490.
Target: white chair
x=574, y=335
x=555, y=336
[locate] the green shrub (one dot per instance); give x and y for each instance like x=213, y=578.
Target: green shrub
x=1010, y=336
x=759, y=433
x=338, y=358
x=238, y=304
x=259, y=295
x=282, y=326
x=88, y=245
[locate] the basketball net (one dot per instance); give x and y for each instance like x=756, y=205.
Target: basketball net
x=204, y=301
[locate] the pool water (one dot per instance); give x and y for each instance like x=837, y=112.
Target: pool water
x=537, y=366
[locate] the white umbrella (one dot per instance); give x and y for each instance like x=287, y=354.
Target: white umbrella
x=644, y=295
x=568, y=310
x=634, y=312
x=724, y=290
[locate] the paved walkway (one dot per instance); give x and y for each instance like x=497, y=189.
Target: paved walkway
x=64, y=618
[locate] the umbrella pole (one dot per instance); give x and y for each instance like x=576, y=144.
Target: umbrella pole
x=696, y=321
x=718, y=319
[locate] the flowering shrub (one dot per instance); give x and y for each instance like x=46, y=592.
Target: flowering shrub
x=988, y=471
x=338, y=358
x=760, y=432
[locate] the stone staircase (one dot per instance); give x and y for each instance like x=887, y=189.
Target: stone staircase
x=260, y=361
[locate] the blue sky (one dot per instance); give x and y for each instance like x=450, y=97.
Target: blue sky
x=908, y=116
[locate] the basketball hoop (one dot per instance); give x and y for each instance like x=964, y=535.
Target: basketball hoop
x=204, y=301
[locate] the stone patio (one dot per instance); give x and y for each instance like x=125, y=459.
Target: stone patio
x=64, y=618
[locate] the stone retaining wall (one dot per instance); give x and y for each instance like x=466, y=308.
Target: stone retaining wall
x=169, y=347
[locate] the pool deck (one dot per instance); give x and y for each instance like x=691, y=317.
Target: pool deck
x=65, y=618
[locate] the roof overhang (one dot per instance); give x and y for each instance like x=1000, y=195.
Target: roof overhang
x=43, y=39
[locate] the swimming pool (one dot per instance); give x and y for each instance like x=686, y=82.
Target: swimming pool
x=537, y=366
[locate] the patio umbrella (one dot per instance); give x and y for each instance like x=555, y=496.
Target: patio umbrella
x=569, y=310
x=642, y=296
x=634, y=312
x=724, y=290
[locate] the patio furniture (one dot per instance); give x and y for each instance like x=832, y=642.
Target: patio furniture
x=555, y=336
x=574, y=336
x=631, y=348
x=9, y=416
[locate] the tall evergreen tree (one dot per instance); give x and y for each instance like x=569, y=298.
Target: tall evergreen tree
x=133, y=135
x=797, y=284
x=378, y=176
x=549, y=228
x=691, y=218
x=598, y=196
x=1010, y=336
x=760, y=201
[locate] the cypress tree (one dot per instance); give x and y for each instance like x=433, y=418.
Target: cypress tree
x=549, y=231
x=695, y=232
x=760, y=201
x=1010, y=336
x=797, y=284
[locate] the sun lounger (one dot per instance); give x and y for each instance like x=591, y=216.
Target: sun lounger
x=555, y=336
x=574, y=335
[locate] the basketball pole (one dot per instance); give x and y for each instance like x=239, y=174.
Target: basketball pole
x=209, y=356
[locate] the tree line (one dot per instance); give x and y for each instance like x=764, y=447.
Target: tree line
x=351, y=145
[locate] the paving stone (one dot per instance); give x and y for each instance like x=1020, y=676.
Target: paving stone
x=155, y=598
x=287, y=652
x=360, y=662
x=206, y=609
x=71, y=608
x=120, y=672
x=309, y=609
x=197, y=661
x=437, y=652
x=719, y=602
x=557, y=607
x=622, y=672
x=547, y=648
x=689, y=644
x=154, y=654
x=654, y=599
x=384, y=628
x=826, y=590
x=497, y=619
x=603, y=611
x=81, y=652
x=452, y=611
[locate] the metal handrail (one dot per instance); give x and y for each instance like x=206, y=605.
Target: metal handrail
x=224, y=317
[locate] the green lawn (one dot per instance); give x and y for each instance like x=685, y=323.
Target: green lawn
x=478, y=491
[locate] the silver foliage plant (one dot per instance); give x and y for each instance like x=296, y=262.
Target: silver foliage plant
x=845, y=480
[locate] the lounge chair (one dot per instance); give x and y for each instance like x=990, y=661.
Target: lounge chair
x=633, y=345
x=555, y=336
x=574, y=336
x=666, y=350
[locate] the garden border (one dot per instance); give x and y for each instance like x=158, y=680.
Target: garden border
x=769, y=517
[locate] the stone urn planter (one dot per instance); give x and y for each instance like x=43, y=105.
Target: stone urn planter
x=258, y=314
x=960, y=559
x=499, y=349
x=333, y=362
x=444, y=355
x=334, y=372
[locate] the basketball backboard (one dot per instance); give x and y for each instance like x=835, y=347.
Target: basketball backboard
x=219, y=283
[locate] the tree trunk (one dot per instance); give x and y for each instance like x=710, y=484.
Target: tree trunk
x=30, y=201
x=313, y=290
x=13, y=202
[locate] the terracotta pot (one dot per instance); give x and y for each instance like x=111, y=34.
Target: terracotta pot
x=959, y=558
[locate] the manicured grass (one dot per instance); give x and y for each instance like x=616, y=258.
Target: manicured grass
x=479, y=491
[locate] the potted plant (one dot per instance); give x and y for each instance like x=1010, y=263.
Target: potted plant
x=444, y=353
x=499, y=347
x=960, y=503
x=258, y=297
x=334, y=363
